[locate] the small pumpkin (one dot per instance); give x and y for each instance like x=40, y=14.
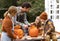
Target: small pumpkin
x=18, y=32
x=33, y=31
x=17, y=27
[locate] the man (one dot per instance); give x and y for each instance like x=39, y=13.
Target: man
x=46, y=24
x=20, y=18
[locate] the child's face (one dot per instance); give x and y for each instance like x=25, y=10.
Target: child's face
x=14, y=13
x=42, y=21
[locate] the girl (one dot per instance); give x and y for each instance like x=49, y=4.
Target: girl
x=7, y=24
x=46, y=27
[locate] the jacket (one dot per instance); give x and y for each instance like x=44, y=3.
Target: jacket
x=7, y=27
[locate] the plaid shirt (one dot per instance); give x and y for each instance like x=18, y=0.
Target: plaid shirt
x=49, y=27
x=25, y=19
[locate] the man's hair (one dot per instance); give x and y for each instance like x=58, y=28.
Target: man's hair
x=26, y=4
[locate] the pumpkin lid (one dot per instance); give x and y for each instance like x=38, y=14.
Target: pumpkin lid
x=17, y=27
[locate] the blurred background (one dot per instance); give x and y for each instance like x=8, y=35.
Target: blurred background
x=37, y=7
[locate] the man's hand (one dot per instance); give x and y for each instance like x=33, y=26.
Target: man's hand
x=26, y=26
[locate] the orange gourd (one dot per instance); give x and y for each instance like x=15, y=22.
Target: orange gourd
x=18, y=32
x=33, y=31
x=17, y=27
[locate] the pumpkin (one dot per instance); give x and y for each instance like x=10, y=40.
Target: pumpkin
x=17, y=27
x=18, y=32
x=33, y=31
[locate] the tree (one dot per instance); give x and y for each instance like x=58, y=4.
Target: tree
x=6, y=4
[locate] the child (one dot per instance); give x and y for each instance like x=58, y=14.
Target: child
x=7, y=24
x=47, y=25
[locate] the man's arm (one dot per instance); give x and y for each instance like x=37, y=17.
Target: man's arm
x=25, y=19
x=15, y=17
x=16, y=22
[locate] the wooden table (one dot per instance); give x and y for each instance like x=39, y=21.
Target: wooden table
x=28, y=38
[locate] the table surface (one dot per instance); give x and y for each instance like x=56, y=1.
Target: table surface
x=36, y=38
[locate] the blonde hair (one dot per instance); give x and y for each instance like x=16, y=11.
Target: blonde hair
x=10, y=10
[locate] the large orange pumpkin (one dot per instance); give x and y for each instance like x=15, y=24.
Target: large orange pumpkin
x=18, y=32
x=33, y=31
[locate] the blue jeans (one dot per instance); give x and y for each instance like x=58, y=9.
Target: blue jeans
x=5, y=37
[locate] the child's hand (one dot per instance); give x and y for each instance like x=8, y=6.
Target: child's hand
x=17, y=37
x=40, y=28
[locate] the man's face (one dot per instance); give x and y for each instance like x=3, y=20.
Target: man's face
x=26, y=9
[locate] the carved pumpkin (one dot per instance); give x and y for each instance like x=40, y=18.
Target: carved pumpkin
x=17, y=27
x=18, y=32
x=33, y=31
